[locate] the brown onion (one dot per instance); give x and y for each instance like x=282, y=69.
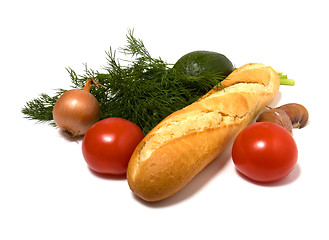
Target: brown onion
x=77, y=110
x=276, y=116
x=297, y=113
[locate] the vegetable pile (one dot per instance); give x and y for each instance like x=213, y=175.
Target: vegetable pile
x=116, y=108
x=140, y=88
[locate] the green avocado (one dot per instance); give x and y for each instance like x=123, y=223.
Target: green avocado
x=198, y=63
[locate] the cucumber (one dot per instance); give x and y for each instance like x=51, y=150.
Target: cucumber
x=198, y=63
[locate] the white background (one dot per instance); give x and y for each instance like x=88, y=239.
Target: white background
x=47, y=191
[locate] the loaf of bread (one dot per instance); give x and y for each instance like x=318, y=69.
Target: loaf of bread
x=185, y=142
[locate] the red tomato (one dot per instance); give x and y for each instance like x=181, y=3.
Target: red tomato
x=108, y=145
x=264, y=152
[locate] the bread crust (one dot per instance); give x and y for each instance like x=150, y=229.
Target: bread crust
x=185, y=142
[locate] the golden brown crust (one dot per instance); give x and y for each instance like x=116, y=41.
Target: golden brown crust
x=185, y=142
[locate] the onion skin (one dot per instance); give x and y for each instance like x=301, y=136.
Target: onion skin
x=76, y=111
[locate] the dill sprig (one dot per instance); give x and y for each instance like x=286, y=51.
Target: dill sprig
x=143, y=89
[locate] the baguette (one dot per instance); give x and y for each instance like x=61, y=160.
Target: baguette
x=185, y=142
